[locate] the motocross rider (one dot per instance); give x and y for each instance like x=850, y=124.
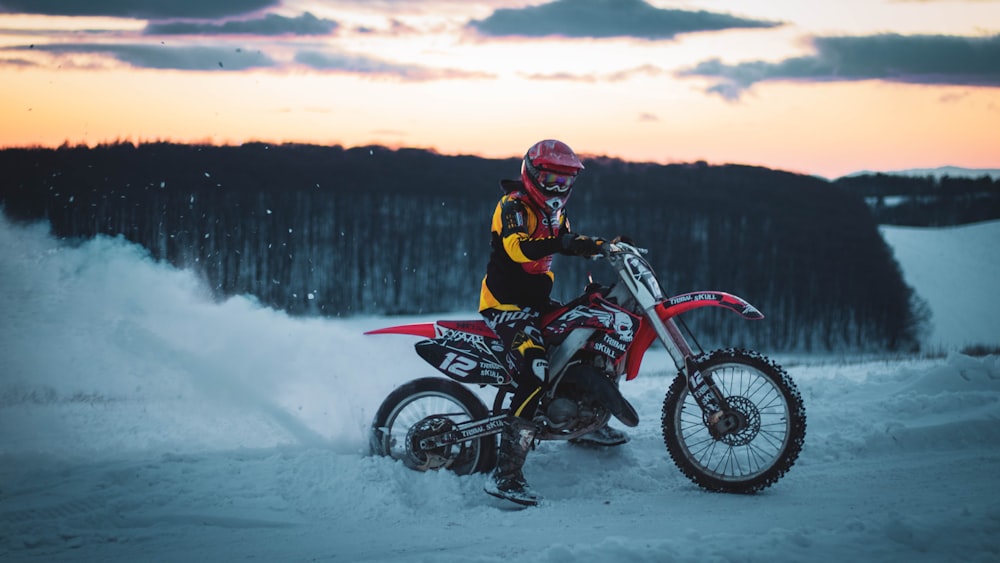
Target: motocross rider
x=529, y=227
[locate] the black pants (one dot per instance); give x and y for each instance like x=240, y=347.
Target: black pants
x=524, y=355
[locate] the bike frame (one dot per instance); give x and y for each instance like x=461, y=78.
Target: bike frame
x=657, y=323
x=638, y=284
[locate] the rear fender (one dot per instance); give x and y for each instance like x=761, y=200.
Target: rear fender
x=463, y=350
x=673, y=306
x=465, y=361
x=438, y=329
x=425, y=330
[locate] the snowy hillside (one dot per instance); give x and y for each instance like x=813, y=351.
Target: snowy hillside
x=956, y=271
x=140, y=421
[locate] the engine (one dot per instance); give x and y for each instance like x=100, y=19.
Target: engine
x=561, y=411
x=584, y=400
x=569, y=416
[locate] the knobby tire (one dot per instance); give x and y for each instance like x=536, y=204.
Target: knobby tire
x=747, y=461
x=449, y=399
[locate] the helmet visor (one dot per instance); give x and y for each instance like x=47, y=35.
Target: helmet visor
x=555, y=182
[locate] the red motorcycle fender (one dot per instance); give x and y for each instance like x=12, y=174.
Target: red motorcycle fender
x=674, y=306
x=462, y=360
x=436, y=329
x=462, y=350
x=425, y=330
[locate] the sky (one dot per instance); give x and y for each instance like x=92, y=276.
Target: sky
x=828, y=87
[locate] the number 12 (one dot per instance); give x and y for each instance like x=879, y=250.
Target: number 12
x=457, y=365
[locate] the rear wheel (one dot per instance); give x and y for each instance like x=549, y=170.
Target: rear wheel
x=767, y=418
x=428, y=406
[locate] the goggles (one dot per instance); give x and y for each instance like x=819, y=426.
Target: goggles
x=555, y=182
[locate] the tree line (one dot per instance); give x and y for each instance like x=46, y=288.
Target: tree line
x=318, y=230
x=927, y=201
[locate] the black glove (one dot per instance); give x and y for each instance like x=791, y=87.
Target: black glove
x=580, y=245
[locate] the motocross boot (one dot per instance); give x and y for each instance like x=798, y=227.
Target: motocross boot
x=507, y=481
x=604, y=436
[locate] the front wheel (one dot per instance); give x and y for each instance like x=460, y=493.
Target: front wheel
x=428, y=406
x=767, y=439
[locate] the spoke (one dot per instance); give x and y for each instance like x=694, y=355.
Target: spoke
x=774, y=398
x=759, y=385
x=704, y=446
x=732, y=462
x=723, y=382
x=417, y=410
x=773, y=439
x=757, y=453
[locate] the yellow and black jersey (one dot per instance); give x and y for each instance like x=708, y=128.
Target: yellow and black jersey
x=524, y=239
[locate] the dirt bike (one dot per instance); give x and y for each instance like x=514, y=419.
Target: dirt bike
x=732, y=420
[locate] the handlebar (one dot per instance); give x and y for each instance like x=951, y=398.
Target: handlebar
x=616, y=246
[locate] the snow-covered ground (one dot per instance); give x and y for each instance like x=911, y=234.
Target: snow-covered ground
x=957, y=271
x=140, y=421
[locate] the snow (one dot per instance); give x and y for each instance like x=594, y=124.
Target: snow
x=141, y=421
x=938, y=263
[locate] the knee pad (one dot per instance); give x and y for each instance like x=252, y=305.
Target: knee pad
x=536, y=361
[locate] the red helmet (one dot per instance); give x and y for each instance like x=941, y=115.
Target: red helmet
x=548, y=171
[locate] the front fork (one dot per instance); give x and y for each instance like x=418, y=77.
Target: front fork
x=702, y=387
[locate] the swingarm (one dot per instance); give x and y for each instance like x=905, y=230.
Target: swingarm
x=463, y=432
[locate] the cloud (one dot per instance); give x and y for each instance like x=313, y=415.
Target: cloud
x=143, y=9
x=16, y=63
x=917, y=59
x=359, y=64
x=223, y=58
x=270, y=24
x=196, y=58
x=606, y=18
x=621, y=75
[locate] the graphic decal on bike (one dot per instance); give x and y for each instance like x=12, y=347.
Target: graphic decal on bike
x=473, y=327
x=702, y=392
x=681, y=303
x=476, y=341
x=608, y=345
x=616, y=326
x=599, y=314
x=466, y=358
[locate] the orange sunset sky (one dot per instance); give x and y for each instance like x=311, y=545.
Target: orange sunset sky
x=825, y=87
